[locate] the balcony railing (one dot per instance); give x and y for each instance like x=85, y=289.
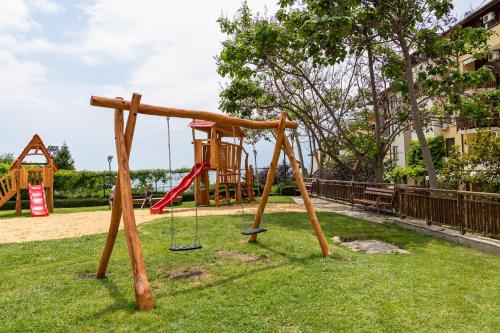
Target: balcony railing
x=464, y=123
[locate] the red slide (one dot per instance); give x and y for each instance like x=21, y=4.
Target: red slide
x=157, y=208
x=37, y=201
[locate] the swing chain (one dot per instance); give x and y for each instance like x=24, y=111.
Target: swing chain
x=172, y=227
x=197, y=231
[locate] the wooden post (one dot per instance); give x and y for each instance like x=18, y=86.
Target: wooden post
x=143, y=295
x=116, y=209
x=50, y=191
x=270, y=175
x=460, y=204
x=305, y=196
x=17, y=177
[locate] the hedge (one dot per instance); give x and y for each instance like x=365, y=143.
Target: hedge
x=289, y=190
x=61, y=203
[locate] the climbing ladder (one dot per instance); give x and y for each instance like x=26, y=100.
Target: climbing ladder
x=7, y=187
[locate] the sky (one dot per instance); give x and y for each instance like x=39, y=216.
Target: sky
x=54, y=55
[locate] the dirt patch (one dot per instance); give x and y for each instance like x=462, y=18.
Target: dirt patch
x=370, y=246
x=187, y=273
x=244, y=257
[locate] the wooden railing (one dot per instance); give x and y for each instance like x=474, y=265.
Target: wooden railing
x=463, y=210
x=7, y=187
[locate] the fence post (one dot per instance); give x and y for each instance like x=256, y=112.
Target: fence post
x=401, y=203
x=317, y=187
x=428, y=209
x=461, y=217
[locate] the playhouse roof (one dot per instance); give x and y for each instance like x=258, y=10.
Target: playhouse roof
x=226, y=130
x=35, y=147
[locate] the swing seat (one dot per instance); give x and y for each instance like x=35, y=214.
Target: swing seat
x=248, y=232
x=185, y=248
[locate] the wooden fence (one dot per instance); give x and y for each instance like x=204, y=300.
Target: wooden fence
x=463, y=210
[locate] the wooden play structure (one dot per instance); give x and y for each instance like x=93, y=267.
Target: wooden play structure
x=36, y=176
x=225, y=159
x=122, y=205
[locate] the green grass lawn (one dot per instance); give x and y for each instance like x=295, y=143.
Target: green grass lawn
x=8, y=214
x=439, y=287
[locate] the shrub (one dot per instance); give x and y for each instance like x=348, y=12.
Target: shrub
x=61, y=203
x=288, y=190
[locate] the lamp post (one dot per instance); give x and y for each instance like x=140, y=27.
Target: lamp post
x=110, y=158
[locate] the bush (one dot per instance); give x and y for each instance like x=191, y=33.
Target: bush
x=288, y=190
x=61, y=203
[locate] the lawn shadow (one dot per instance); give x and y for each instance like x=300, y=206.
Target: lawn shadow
x=120, y=302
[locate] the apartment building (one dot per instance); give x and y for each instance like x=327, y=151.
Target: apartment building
x=458, y=131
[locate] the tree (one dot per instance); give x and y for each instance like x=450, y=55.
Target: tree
x=283, y=62
x=7, y=158
x=418, y=28
x=62, y=157
x=481, y=165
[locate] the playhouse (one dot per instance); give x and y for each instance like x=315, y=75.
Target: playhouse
x=35, y=176
x=224, y=158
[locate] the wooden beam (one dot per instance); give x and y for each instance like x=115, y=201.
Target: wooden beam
x=191, y=114
x=305, y=196
x=116, y=209
x=17, y=176
x=143, y=294
x=280, y=133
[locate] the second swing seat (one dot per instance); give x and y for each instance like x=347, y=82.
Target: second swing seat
x=253, y=231
x=190, y=247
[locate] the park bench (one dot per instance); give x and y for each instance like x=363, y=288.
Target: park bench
x=139, y=201
x=375, y=196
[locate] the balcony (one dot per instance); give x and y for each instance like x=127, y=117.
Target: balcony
x=464, y=124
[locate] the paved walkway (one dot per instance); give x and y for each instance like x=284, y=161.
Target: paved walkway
x=483, y=244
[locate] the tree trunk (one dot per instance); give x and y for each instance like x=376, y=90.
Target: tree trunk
x=316, y=155
x=379, y=157
x=301, y=156
x=417, y=122
x=311, y=153
x=320, y=165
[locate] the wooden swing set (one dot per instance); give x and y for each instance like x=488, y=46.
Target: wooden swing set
x=122, y=205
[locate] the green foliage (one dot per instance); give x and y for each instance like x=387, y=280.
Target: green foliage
x=288, y=190
x=481, y=165
x=4, y=169
x=62, y=203
x=71, y=183
x=416, y=167
x=7, y=158
x=437, y=148
x=62, y=157
x=400, y=174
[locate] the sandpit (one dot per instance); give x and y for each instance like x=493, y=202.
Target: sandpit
x=58, y=226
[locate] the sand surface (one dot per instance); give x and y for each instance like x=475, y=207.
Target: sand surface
x=57, y=226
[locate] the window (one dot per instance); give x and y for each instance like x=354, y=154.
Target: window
x=394, y=153
x=449, y=144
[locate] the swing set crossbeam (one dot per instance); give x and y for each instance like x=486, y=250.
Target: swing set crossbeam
x=163, y=111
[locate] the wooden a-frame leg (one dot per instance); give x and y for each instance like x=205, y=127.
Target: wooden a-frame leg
x=305, y=196
x=270, y=176
x=116, y=209
x=143, y=294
